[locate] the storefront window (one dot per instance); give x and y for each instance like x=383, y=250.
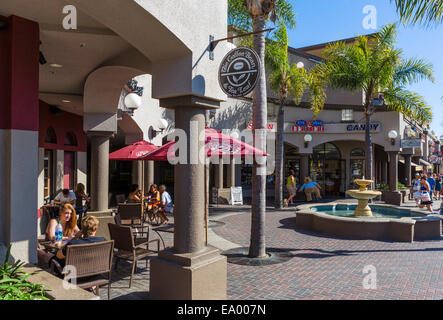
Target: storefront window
x=358, y=152
x=327, y=168
x=357, y=170
x=347, y=115
x=50, y=137
x=48, y=174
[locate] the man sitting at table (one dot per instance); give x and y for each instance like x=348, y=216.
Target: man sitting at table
x=165, y=203
x=65, y=196
x=89, y=229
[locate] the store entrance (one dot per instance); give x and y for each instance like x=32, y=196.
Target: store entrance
x=328, y=169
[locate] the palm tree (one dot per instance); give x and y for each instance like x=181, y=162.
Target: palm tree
x=287, y=80
x=420, y=11
x=378, y=68
x=254, y=14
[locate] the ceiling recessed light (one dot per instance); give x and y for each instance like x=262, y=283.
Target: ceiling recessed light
x=56, y=65
x=66, y=101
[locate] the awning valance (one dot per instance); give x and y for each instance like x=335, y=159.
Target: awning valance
x=425, y=163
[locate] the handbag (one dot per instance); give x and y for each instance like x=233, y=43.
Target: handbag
x=425, y=197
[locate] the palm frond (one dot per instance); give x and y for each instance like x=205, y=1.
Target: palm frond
x=413, y=70
x=409, y=103
x=238, y=15
x=285, y=13
x=420, y=11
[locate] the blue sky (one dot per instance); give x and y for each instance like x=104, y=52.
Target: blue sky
x=321, y=21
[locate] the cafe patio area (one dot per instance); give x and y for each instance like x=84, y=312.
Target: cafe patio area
x=315, y=266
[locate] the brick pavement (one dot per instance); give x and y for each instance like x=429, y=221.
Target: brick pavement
x=322, y=267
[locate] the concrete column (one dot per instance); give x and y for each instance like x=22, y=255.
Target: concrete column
x=19, y=125
x=393, y=170
x=149, y=174
x=384, y=171
x=59, y=170
x=188, y=224
x=408, y=169
x=219, y=174
x=192, y=269
x=426, y=147
x=41, y=177
x=137, y=173
x=231, y=174
x=82, y=168
x=238, y=175
x=304, y=166
x=99, y=170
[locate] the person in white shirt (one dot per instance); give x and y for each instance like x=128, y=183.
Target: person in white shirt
x=416, y=188
x=165, y=203
x=165, y=199
x=64, y=197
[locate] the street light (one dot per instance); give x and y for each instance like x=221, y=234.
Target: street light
x=307, y=138
x=162, y=125
x=133, y=101
x=392, y=135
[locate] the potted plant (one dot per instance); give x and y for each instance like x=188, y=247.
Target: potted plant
x=14, y=284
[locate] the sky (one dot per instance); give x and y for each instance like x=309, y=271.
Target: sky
x=319, y=21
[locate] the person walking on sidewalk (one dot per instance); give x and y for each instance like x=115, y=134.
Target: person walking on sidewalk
x=291, y=185
x=426, y=195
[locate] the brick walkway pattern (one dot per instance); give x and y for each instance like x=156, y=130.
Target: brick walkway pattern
x=329, y=268
x=322, y=267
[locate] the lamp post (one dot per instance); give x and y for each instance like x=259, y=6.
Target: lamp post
x=392, y=135
x=133, y=101
x=307, y=138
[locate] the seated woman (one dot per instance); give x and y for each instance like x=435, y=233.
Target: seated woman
x=310, y=188
x=89, y=228
x=154, y=194
x=135, y=194
x=81, y=195
x=68, y=220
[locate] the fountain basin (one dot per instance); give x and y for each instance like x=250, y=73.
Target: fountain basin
x=389, y=223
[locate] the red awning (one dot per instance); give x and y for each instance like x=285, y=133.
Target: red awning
x=135, y=151
x=217, y=145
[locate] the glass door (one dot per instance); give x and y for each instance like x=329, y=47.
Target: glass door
x=357, y=170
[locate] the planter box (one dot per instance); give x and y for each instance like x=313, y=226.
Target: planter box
x=54, y=286
x=392, y=197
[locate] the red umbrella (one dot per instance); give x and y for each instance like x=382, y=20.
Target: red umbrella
x=217, y=145
x=135, y=151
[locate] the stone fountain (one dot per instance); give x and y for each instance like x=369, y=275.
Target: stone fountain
x=363, y=195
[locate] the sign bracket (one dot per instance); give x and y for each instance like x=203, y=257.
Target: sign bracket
x=213, y=43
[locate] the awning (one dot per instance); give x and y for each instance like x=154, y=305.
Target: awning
x=425, y=163
x=412, y=163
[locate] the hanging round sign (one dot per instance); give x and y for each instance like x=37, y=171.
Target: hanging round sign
x=239, y=71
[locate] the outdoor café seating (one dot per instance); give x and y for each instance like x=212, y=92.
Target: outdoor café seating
x=130, y=248
x=131, y=214
x=92, y=263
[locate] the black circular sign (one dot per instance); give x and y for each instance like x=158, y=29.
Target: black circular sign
x=239, y=72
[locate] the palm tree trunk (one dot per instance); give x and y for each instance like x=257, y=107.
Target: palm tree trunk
x=257, y=246
x=368, y=140
x=278, y=193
